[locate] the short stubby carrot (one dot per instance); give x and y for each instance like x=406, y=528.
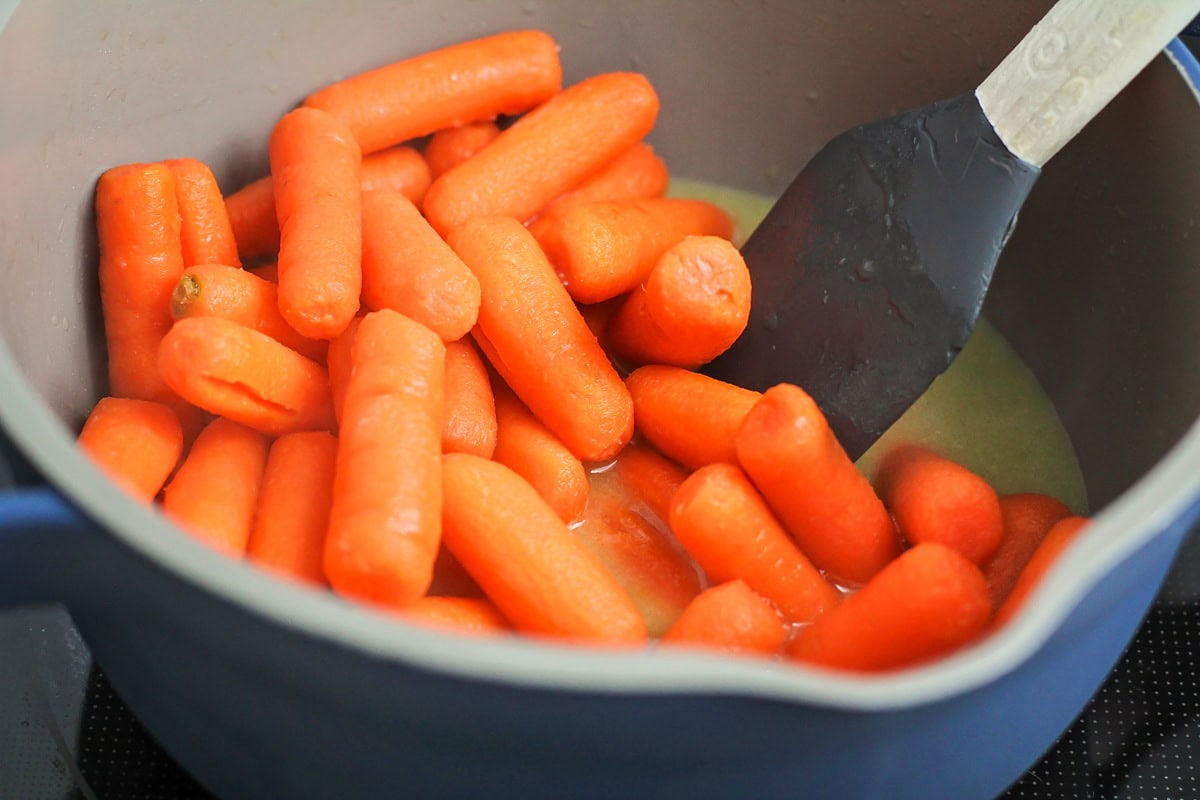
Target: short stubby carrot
x=470, y=424
x=731, y=618
x=385, y=521
x=316, y=167
x=644, y=477
x=339, y=365
x=668, y=401
x=1028, y=517
x=214, y=493
x=604, y=249
x=635, y=174
x=539, y=342
x=532, y=567
x=398, y=169
x=1057, y=539
x=724, y=523
x=457, y=614
x=408, y=267
x=790, y=454
x=205, y=232
x=547, y=152
x=137, y=443
x=236, y=372
x=928, y=602
x=450, y=147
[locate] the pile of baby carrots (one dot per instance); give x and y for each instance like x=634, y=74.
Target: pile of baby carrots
x=442, y=360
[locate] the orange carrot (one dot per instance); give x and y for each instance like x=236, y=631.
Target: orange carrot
x=397, y=169
x=539, y=342
x=934, y=499
x=470, y=424
x=137, y=443
x=475, y=80
x=214, y=492
x=787, y=449
x=927, y=602
x=293, y=506
x=548, y=151
x=644, y=478
x=385, y=522
x=1059, y=537
x=668, y=402
x=205, y=233
x=408, y=268
x=457, y=614
x=247, y=376
x=603, y=249
x=531, y=566
x=635, y=174
x=598, y=315
x=1028, y=518
x=316, y=167
x=450, y=147
x=732, y=618
x=338, y=362
x=694, y=305
x=726, y=526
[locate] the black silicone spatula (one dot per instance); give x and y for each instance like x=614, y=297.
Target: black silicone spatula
x=870, y=271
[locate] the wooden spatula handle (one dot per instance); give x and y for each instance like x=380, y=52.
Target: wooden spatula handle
x=1071, y=64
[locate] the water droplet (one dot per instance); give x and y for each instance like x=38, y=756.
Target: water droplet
x=586, y=22
x=866, y=270
x=530, y=8
x=812, y=96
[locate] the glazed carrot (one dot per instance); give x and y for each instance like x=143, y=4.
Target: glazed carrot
x=247, y=376
x=475, y=80
x=238, y=295
x=537, y=573
x=214, y=492
x=693, y=306
x=787, y=449
x=385, y=522
x=548, y=151
x=137, y=443
x=205, y=233
x=645, y=477
x=540, y=343
x=1027, y=519
x=635, y=174
x=934, y=499
x=524, y=445
x=457, y=614
x=293, y=506
x=316, y=167
x=927, y=602
x=408, y=268
x=338, y=362
x=1057, y=539
x=470, y=424
x=732, y=618
x=726, y=526
x=398, y=169
x=450, y=147
x=668, y=402
x=603, y=249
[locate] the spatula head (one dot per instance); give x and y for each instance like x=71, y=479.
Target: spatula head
x=869, y=272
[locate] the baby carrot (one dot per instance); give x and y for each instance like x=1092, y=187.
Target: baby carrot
x=408, y=267
x=787, y=449
x=247, y=376
x=450, y=147
x=398, y=169
x=205, y=233
x=548, y=151
x=457, y=614
x=542, y=347
x=645, y=477
x=732, y=618
x=137, y=443
x=537, y=573
x=1027, y=519
x=338, y=363
x=603, y=249
x=293, y=506
x=927, y=602
x=934, y=499
x=214, y=492
x=635, y=174
x=1057, y=539
x=316, y=167
x=385, y=521
x=668, y=402
x=726, y=526
x=475, y=80
x=693, y=306
x=470, y=424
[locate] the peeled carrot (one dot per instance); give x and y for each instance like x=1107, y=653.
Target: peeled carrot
x=457, y=614
x=137, y=443
x=293, y=506
x=1028, y=517
x=205, y=233
x=732, y=618
x=450, y=147
x=1058, y=539
x=531, y=566
x=927, y=602
x=385, y=522
x=540, y=343
x=215, y=490
x=645, y=477
x=726, y=526
x=397, y=169
x=792, y=457
x=475, y=80
x=316, y=166
x=470, y=424
x=635, y=174
x=408, y=267
x=236, y=372
x=338, y=362
x=548, y=151
x=668, y=402
x=603, y=249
